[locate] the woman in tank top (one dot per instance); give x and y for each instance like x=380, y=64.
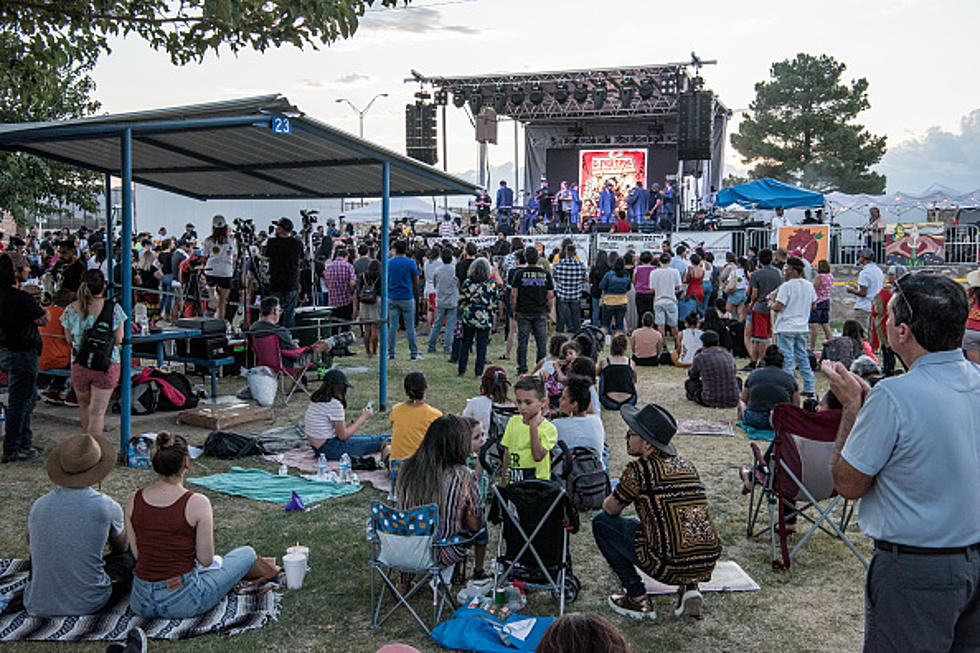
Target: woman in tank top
x=177, y=574
x=617, y=376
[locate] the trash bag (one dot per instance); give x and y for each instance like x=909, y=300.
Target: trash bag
x=262, y=385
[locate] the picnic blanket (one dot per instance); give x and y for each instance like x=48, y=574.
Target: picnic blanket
x=260, y=485
x=233, y=614
x=699, y=426
x=757, y=434
x=282, y=438
x=302, y=458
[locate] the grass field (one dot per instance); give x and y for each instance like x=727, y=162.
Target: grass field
x=816, y=606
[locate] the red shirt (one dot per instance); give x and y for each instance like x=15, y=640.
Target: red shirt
x=621, y=227
x=166, y=543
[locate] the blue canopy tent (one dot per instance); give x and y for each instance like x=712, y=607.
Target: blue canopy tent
x=253, y=148
x=768, y=193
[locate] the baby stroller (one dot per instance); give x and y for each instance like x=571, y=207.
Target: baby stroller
x=590, y=340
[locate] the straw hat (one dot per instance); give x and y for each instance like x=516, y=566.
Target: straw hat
x=81, y=461
x=973, y=279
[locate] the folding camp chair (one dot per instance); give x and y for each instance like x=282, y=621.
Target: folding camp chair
x=404, y=541
x=268, y=354
x=795, y=479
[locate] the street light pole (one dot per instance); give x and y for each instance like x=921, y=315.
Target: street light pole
x=361, y=113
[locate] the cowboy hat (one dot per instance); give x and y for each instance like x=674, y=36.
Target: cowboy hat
x=652, y=423
x=81, y=461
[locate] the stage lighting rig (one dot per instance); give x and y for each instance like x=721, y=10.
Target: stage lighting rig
x=517, y=95
x=459, y=98
x=440, y=97
x=536, y=96
x=599, y=97
x=581, y=92
x=499, y=99
x=646, y=88
x=561, y=92
x=626, y=93
x=668, y=84
x=476, y=101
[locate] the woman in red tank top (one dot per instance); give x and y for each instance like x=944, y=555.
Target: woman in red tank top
x=693, y=277
x=171, y=531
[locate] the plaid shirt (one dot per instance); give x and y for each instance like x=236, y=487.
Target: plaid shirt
x=715, y=367
x=338, y=276
x=570, y=275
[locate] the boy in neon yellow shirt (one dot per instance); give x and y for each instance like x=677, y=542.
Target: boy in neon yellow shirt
x=529, y=437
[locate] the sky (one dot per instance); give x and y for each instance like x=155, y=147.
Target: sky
x=915, y=55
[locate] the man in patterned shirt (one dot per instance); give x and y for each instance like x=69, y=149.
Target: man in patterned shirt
x=674, y=540
x=341, y=280
x=712, y=381
x=570, y=276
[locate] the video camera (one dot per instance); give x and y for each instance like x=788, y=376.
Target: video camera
x=309, y=219
x=244, y=228
x=341, y=340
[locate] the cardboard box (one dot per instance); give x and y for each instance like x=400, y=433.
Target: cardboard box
x=224, y=416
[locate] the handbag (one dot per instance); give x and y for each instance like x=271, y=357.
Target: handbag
x=263, y=571
x=731, y=283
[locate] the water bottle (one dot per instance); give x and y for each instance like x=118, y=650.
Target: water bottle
x=3, y=416
x=139, y=316
x=345, y=468
x=321, y=468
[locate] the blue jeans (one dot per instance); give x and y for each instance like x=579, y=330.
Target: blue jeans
x=527, y=322
x=614, y=537
x=612, y=318
x=596, y=313
x=449, y=313
x=21, y=370
x=198, y=592
x=707, y=288
x=756, y=419
x=358, y=444
x=404, y=308
x=167, y=294
x=482, y=337
x=793, y=348
x=569, y=315
x=288, y=300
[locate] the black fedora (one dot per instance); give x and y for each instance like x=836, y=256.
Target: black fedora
x=653, y=423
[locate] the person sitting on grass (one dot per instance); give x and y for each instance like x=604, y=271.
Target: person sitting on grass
x=483, y=479
x=648, y=342
x=554, y=382
x=67, y=529
x=529, y=437
x=767, y=386
x=327, y=429
x=673, y=541
x=712, y=381
x=410, y=419
x=494, y=391
x=436, y=473
x=617, y=376
x=177, y=574
x=690, y=342
x=584, y=366
x=580, y=428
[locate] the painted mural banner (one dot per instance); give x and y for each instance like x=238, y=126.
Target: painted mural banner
x=621, y=167
x=915, y=243
x=813, y=241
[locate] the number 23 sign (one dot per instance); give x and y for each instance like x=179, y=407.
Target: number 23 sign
x=281, y=125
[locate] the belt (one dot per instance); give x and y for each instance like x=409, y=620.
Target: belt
x=883, y=545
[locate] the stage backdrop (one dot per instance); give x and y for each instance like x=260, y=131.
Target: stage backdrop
x=915, y=243
x=811, y=239
x=622, y=167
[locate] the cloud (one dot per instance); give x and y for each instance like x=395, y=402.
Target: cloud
x=951, y=159
x=352, y=78
x=412, y=19
x=343, y=80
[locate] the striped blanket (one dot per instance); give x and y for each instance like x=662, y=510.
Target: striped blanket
x=233, y=614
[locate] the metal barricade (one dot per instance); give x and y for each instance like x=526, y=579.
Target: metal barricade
x=962, y=242
x=756, y=237
x=846, y=242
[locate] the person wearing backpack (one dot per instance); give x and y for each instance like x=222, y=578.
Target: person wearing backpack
x=368, y=298
x=94, y=327
x=580, y=428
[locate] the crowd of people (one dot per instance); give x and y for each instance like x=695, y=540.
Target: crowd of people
x=674, y=307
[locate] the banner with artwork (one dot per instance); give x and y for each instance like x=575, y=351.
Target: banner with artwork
x=718, y=243
x=915, y=243
x=621, y=167
x=622, y=243
x=548, y=242
x=813, y=241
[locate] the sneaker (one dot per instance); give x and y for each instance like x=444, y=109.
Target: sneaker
x=70, y=399
x=417, y=357
x=689, y=603
x=749, y=367
x=632, y=608
x=53, y=398
x=135, y=643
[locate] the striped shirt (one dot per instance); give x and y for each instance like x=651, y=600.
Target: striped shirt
x=570, y=275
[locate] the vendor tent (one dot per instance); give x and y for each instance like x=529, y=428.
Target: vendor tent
x=768, y=194
x=413, y=208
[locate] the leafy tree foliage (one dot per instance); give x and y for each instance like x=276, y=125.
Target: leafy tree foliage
x=802, y=128
x=733, y=180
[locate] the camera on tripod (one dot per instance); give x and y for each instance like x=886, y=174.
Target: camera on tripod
x=309, y=219
x=341, y=340
x=244, y=228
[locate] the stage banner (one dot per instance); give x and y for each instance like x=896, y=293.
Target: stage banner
x=623, y=243
x=622, y=167
x=548, y=242
x=717, y=242
x=813, y=240
x=915, y=243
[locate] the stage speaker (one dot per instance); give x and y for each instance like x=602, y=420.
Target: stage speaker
x=420, y=132
x=603, y=227
x=694, y=125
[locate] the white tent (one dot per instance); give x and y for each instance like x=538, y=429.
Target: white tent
x=900, y=206
x=416, y=208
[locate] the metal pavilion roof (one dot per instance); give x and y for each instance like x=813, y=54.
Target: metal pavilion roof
x=229, y=150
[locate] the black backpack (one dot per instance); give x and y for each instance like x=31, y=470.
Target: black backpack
x=179, y=383
x=225, y=444
x=95, y=352
x=368, y=294
x=584, y=476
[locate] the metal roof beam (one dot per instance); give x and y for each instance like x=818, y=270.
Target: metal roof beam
x=256, y=167
x=176, y=149
x=95, y=130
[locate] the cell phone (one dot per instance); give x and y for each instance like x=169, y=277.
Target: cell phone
x=370, y=404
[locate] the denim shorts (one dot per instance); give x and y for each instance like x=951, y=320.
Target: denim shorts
x=736, y=298
x=820, y=314
x=665, y=312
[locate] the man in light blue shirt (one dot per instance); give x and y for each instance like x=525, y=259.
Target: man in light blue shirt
x=680, y=262
x=910, y=449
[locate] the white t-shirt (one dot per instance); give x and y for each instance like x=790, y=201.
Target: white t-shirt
x=872, y=278
x=221, y=257
x=585, y=432
x=664, y=282
x=777, y=222
x=595, y=408
x=797, y=297
x=690, y=344
x=320, y=417
x=428, y=273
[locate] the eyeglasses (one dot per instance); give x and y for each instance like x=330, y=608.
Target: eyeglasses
x=898, y=284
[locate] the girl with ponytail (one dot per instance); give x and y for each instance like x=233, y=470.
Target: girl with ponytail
x=93, y=388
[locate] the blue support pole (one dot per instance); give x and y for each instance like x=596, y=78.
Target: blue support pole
x=383, y=254
x=125, y=261
x=108, y=234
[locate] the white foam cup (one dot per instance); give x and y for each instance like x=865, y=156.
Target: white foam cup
x=301, y=550
x=294, y=565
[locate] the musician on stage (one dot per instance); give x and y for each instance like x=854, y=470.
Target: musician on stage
x=505, y=202
x=483, y=204
x=576, y=204
x=607, y=203
x=564, y=202
x=545, y=201
x=637, y=202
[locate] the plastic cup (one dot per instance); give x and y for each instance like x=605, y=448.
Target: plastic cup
x=294, y=564
x=301, y=550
